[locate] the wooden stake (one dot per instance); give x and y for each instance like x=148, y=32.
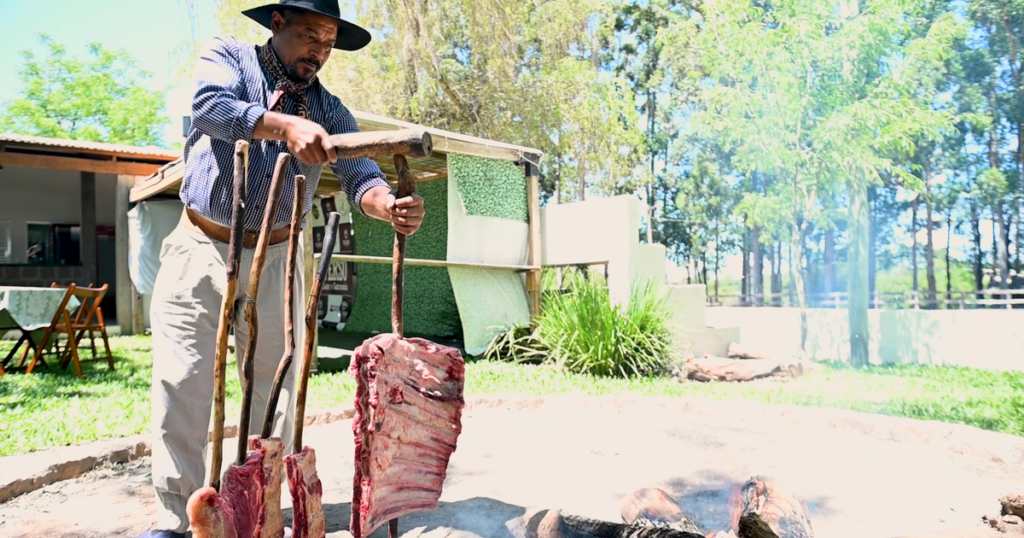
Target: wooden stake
x=406, y=187
x=269, y=217
x=330, y=236
x=289, y=300
x=227, y=310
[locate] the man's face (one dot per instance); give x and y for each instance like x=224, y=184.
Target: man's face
x=303, y=42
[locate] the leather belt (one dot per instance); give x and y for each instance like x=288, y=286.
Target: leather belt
x=223, y=233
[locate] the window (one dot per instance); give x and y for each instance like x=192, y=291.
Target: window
x=54, y=244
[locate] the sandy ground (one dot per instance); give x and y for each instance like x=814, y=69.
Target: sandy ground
x=861, y=475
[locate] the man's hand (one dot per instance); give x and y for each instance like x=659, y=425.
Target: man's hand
x=307, y=140
x=404, y=214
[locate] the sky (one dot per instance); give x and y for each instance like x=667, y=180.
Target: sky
x=149, y=29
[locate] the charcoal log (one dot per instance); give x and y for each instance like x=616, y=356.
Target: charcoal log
x=719, y=369
x=653, y=507
x=557, y=525
x=1012, y=505
x=767, y=511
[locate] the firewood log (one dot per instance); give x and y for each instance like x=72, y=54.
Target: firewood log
x=718, y=369
x=737, y=351
x=767, y=511
x=1012, y=505
x=653, y=507
x=556, y=525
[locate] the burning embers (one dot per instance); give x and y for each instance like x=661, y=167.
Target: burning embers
x=758, y=509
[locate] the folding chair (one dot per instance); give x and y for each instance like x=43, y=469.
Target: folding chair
x=61, y=322
x=88, y=317
x=91, y=320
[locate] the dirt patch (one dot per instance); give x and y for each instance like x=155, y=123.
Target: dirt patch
x=861, y=475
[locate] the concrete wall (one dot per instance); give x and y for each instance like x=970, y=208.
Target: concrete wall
x=602, y=230
x=39, y=195
x=988, y=339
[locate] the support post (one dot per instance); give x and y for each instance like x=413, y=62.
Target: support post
x=87, y=225
x=125, y=291
x=533, y=278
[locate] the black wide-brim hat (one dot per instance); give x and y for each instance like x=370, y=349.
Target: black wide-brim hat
x=350, y=36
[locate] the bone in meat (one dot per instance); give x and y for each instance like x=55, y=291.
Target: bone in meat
x=409, y=401
x=273, y=517
x=307, y=508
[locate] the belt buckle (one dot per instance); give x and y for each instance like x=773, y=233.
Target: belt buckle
x=249, y=240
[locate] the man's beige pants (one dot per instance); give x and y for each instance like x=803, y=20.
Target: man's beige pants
x=184, y=316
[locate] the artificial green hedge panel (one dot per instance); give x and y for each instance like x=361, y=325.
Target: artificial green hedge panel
x=429, y=305
x=489, y=187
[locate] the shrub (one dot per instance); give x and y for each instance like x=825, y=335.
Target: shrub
x=582, y=331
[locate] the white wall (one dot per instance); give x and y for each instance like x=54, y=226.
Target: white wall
x=988, y=339
x=601, y=230
x=35, y=194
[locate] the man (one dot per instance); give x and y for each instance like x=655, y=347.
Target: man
x=270, y=96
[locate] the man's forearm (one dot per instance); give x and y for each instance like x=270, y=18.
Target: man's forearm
x=272, y=126
x=374, y=203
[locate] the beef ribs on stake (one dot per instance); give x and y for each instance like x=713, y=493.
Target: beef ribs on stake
x=409, y=401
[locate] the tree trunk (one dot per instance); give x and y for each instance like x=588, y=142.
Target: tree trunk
x=913, y=233
x=860, y=216
x=930, y=228
x=777, y=275
x=704, y=267
x=979, y=253
x=1002, y=239
x=830, y=262
x=949, y=247
x=795, y=271
x=745, y=283
x=872, y=242
x=758, y=267
x=718, y=244
x=789, y=262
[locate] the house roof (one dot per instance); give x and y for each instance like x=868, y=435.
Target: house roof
x=168, y=178
x=78, y=155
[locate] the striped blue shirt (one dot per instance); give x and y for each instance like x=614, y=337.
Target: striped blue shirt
x=232, y=91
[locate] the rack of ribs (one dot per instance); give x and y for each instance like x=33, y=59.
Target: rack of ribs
x=409, y=401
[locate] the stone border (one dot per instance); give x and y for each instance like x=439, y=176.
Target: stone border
x=29, y=472
x=25, y=473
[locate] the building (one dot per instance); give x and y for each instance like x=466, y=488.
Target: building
x=60, y=209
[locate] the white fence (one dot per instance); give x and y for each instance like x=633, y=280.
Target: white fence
x=990, y=339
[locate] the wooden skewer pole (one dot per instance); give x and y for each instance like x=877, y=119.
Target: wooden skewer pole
x=406, y=187
x=269, y=218
x=298, y=203
x=227, y=310
x=330, y=236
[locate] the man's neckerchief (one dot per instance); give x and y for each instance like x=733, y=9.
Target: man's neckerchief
x=283, y=85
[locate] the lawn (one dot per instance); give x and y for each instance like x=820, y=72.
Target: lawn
x=57, y=409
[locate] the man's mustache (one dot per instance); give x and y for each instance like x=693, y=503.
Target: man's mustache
x=312, y=61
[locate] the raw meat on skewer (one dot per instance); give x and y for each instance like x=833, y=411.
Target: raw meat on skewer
x=409, y=401
x=303, y=482
x=242, y=501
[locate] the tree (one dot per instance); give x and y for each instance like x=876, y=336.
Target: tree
x=102, y=99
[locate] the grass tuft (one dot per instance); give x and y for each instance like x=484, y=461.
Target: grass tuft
x=582, y=331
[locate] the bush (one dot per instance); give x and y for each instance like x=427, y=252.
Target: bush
x=581, y=331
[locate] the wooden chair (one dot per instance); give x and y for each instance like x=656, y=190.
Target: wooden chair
x=62, y=320
x=88, y=318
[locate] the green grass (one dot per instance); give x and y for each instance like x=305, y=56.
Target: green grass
x=52, y=409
